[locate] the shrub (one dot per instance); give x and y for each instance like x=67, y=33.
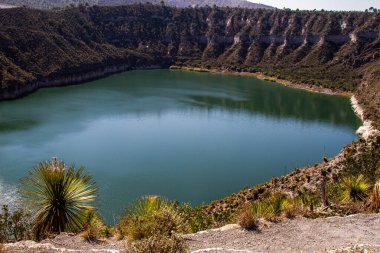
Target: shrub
x=166, y=221
x=94, y=227
x=375, y=197
x=270, y=208
x=247, y=219
x=293, y=208
x=355, y=188
x=14, y=226
x=58, y=197
x=278, y=203
x=197, y=218
x=261, y=209
x=363, y=159
x=161, y=244
x=309, y=200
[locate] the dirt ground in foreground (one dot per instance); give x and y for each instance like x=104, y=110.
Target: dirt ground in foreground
x=298, y=235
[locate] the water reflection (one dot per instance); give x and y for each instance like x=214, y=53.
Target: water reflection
x=193, y=137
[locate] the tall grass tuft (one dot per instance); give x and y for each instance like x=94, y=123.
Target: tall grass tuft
x=58, y=197
x=146, y=205
x=355, y=188
x=278, y=203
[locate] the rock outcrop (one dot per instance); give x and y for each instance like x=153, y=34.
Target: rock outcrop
x=336, y=50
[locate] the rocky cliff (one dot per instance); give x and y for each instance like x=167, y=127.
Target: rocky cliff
x=49, y=4
x=338, y=50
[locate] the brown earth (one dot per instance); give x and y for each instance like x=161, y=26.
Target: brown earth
x=298, y=235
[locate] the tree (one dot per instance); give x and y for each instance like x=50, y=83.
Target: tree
x=58, y=197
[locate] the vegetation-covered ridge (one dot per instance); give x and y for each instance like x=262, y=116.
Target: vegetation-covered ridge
x=337, y=50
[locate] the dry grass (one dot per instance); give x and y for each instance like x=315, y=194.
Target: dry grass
x=161, y=244
x=247, y=219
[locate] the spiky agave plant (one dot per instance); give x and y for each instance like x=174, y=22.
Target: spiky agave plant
x=355, y=188
x=58, y=197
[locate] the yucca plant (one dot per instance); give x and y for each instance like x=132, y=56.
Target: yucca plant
x=58, y=197
x=375, y=197
x=355, y=188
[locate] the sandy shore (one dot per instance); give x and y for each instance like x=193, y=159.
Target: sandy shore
x=262, y=76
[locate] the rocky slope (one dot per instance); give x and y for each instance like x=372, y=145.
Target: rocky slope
x=337, y=50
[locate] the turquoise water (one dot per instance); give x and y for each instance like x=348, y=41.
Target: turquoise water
x=193, y=137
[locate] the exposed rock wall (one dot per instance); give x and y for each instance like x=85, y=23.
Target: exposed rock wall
x=336, y=50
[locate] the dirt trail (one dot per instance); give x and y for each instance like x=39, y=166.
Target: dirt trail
x=298, y=235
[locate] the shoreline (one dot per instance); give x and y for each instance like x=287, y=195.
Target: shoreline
x=367, y=130
x=23, y=90
x=262, y=76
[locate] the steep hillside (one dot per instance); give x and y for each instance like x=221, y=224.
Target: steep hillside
x=48, y=4
x=337, y=50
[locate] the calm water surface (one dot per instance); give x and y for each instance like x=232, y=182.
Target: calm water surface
x=193, y=137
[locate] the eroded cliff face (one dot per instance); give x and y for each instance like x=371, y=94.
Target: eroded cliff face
x=323, y=48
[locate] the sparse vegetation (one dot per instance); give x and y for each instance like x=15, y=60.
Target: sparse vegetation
x=375, y=197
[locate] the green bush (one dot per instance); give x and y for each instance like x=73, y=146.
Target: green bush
x=261, y=209
x=142, y=223
x=94, y=227
x=14, y=226
x=310, y=200
x=278, y=203
x=197, y=218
